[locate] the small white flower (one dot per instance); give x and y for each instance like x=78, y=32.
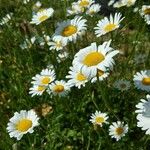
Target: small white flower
x=37, y=90
x=77, y=78
x=93, y=9
x=42, y=15
x=57, y=43
x=22, y=123
x=71, y=29
x=143, y=117
x=99, y=118
x=117, y=130
x=44, y=78
x=108, y=24
x=60, y=88
x=142, y=80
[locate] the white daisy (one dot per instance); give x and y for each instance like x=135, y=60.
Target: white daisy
x=117, y=130
x=142, y=80
x=42, y=15
x=62, y=56
x=101, y=74
x=37, y=90
x=95, y=57
x=85, y=3
x=75, y=9
x=129, y=3
x=122, y=85
x=71, y=29
x=60, y=88
x=44, y=78
x=76, y=78
x=22, y=123
x=145, y=13
x=99, y=118
x=122, y=3
x=108, y=24
x=58, y=43
x=143, y=117
x=93, y=9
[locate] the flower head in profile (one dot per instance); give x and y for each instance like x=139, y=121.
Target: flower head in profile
x=42, y=15
x=117, y=130
x=22, y=123
x=142, y=80
x=143, y=117
x=93, y=9
x=108, y=24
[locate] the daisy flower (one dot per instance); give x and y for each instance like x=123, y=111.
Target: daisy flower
x=62, y=56
x=101, y=74
x=108, y=24
x=145, y=13
x=44, y=78
x=75, y=9
x=117, y=130
x=95, y=57
x=99, y=118
x=42, y=15
x=122, y=85
x=76, y=78
x=57, y=43
x=22, y=123
x=142, y=80
x=122, y=3
x=93, y=9
x=143, y=111
x=71, y=29
x=60, y=88
x=85, y=3
x=37, y=90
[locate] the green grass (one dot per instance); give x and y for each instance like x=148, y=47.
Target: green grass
x=68, y=126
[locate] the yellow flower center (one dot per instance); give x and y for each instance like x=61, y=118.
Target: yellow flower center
x=100, y=72
x=84, y=3
x=41, y=88
x=58, y=44
x=69, y=30
x=99, y=119
x=81, y=77
x=45, y=80
x=92, y=12
x=43, y=18
x=119, y=130
x=23, y=125
x=147, y=11
x=59, y=88
x=146, y=81
x=109, y=27
x=93, y=59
